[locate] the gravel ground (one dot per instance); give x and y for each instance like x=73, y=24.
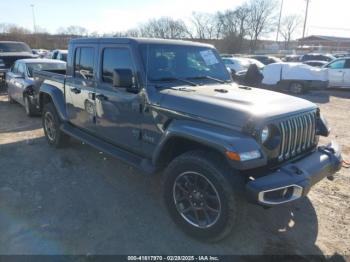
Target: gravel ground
x=80, y=201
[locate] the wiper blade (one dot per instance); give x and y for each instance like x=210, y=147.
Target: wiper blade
x=209, y=77
x=176, y=79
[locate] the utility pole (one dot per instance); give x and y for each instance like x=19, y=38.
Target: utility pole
x=305, y=20
x=279, y=22
x=33, y=13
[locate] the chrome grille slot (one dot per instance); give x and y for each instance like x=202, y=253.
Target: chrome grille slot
x=297, y=135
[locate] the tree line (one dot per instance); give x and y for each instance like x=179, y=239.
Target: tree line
x=239, y=29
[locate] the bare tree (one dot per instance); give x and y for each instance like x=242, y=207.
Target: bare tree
x=73, y=30
x=289, y=25
x=261, y=19
x=164, y=27
x=206, y=26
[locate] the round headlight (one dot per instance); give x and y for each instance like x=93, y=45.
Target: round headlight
x=265, y=133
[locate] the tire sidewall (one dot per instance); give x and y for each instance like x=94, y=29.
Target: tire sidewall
x=222, y=186
x=48, y=108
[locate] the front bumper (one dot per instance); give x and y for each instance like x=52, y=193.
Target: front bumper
x=294, y=180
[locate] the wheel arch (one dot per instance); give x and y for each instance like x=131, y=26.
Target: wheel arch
x=52, y=94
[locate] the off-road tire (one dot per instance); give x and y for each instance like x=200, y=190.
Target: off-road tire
x=54, y=136
x=228, y=185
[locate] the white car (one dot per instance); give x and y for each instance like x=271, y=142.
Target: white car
x=237, y=64
x=339, y=72
x=294, y=77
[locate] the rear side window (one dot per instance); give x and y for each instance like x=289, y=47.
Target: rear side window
x=115, y=58
x=84, y=63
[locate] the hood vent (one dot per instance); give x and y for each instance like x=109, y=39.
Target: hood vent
x=221, y=90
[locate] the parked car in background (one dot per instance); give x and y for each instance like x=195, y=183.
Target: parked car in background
x=294, y=77
x=266, y=60
x=316, y=63
x=169, y=107
x=40, y=52
x=317, y=57
x=237, y=64
x=59, y=54
x=291, y=58
x=339, y=72
x=21, y=85
x=11, y=51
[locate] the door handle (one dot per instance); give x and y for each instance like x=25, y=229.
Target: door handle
x=101, y=97
x=75, y=90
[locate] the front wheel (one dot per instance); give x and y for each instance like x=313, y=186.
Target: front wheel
x=51, y=124
x=199, y=197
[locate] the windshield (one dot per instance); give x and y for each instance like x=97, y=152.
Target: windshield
x=182, y=62
x=45, y=66
x=14, y=47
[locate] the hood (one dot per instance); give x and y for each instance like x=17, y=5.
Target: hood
x=231, y=104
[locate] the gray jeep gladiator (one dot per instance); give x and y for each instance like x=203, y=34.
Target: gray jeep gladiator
x=171, y=107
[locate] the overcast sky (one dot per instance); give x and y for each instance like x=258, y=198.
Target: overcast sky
x=327, y=17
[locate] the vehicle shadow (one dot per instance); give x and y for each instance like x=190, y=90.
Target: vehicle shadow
x=324, y=96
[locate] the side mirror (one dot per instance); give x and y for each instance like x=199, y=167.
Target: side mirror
x=123, y=78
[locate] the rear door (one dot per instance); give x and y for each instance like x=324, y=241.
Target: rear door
x=336, y=72
x=80, y=88
x=117, y=110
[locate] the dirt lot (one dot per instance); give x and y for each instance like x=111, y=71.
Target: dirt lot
x=80, y=201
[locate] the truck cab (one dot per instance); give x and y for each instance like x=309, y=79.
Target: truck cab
x=171, y=107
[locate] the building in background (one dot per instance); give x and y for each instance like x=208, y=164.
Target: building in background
x=321, y=43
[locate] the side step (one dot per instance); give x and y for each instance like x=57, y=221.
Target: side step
x=143, y=164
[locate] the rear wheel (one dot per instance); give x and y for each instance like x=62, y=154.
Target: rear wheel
x=199, y=196
x=51, y=124
x=29, y=107
x=296, y=88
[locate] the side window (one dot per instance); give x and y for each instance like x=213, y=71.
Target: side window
x=21, y=69
x=84, y=63
x=14, y=68
x=339, y=64
x=115, y=58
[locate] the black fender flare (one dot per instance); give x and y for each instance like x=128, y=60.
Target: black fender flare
x=57, y=97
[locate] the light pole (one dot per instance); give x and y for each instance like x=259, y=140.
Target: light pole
x=306, y=13
x=279, y=21
x=33, y=13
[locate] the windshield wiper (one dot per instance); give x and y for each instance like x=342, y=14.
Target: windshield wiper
x=176, y=79
x=209, y=77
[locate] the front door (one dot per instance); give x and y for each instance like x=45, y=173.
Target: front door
x=336, y=72
x=80, y=88
x=346, y=81
x=118, y=114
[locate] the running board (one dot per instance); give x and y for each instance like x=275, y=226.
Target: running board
x=143, y=164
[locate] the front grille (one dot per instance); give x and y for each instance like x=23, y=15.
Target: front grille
x=297, y=135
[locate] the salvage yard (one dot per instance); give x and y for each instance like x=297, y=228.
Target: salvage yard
x=80, y=201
